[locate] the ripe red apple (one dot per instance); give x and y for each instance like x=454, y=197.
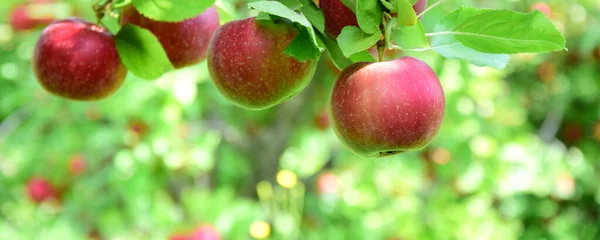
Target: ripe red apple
x=22, y=18
x=247, y=63
x=77, y=165
x=337, y=15
x=184, y=42
x=39, y=189
x=542, y=7
x=327, y=183
x=205, y=232
x=78, y=60
x=384, y=108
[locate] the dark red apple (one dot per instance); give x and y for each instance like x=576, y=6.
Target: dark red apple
x=78, y=60
x=337, y=15
x=384, y=108
x=247, y=63
x=184, y=42
x=39, y=189
x=205, y=232
x=542, y=7
x=22, y=17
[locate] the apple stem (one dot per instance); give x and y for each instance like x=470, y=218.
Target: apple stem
x=380, y=49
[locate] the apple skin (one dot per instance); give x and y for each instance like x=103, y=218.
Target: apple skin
x=337, y=15
x=385, y=108
x=185, y=42
x=246, y=62
x=39, y=189
x=78, y=60
x=205, y=232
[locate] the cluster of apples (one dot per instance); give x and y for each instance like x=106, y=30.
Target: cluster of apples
x=377, y=109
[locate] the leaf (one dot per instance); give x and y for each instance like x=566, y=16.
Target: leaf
x=406, y=13
x=172, y=10
x=280, y=10
x=369, y=14
x=505, y=31
x=313, y=14
x=351, y=4
x=449, y=47
x=338, y=58
x=298, y=49
x=353, y=40
x=364, y=56
x=411, y=37
x=141, y=52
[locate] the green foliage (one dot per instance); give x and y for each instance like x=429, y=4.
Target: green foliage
x=502, y=167
x=141, y=52
x=171, y=10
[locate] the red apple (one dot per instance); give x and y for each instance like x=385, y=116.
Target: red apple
x=384, y=108
x=337, y=15
x=542, y=7
x=22, y=18
x=322, y=121
x=78, y=60
x=77, y=165
x=39, y=189
x=185, y=42
x=205, y=232
x=327, y=183
x=247, y=63
x=179, y=236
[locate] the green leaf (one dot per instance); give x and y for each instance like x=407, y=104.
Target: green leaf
x=141, y=52
x=364, y=56
x=412, y=37
x=449, y=47
x=351, y=4
x=369, y=14
x=338, y=58
x=295, y=50
x=172, y=10
x=505, y=31
x=353, y=40
x=313, y=14
x=406, y=13
x=298, y=49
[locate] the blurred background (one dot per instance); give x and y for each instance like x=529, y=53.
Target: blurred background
x=516, y=158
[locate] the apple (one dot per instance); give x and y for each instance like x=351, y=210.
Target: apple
x=322, y=121
x=385, y=108
x=39, y=189
x=327, y=183
x=185, y=42
x=337, y=15
x=77, y=165
x=546, y=72
x=246, y=62
x=23, y=19
x=542, y=7
x=205, y=232
x=179, y=236
x=572, y=133
x=78, y=60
